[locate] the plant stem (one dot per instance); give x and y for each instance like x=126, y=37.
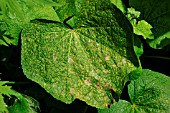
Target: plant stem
x=16, y=83
x=159, y=57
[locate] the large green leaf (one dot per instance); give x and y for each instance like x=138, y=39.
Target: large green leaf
x=149, y=93
x=90, y=61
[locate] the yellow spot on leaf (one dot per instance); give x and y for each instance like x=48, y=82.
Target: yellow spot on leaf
x=107, y=57
x=72, y=91
x=70, y=60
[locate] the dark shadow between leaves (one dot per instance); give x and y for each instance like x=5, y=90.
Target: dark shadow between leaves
x=125, y=95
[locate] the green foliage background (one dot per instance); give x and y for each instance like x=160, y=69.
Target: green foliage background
x=87, y=36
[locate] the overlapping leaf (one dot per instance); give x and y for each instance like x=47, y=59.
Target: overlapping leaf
x=26, y=104
x=89, y=61
x=144, y=29
x=140, y=27
x=156, y=13
x=119, y=4
x=149, y=93
x=21, y=103
x=161, y=42
x=4, y=90
x=17, y=13
x=121, y=107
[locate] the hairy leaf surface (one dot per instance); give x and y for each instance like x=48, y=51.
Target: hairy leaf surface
x=90, y=61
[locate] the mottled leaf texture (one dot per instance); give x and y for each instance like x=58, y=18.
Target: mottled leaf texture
x=149, y=93
x=90, y=61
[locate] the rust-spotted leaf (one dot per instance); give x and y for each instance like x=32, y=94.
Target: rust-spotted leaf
x=89, y=61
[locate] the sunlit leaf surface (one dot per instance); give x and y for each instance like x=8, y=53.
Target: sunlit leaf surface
x=90, y=61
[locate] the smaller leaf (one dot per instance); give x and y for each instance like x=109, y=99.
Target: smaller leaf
x=5, y=90
x=10, y=31
x=2, y=105
x=39, y=11
x=22, y=104
x=140, y=27
x=2, y=42
x=132, y=15
x=121, y=107
x=161, y=41
x=143, y=28
x=26, y=104
x=14, y=9
x=149, y=93
x=138, y=46
x=155, y=12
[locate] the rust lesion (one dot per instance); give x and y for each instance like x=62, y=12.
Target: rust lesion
x=124, y=60
x=106, y=106
x=72, y=91
x=88, y=82
x=107, y=85
x=107, y=57
x=54, y=58
x=98, y=84
x=70, y=60
x=105, y=71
